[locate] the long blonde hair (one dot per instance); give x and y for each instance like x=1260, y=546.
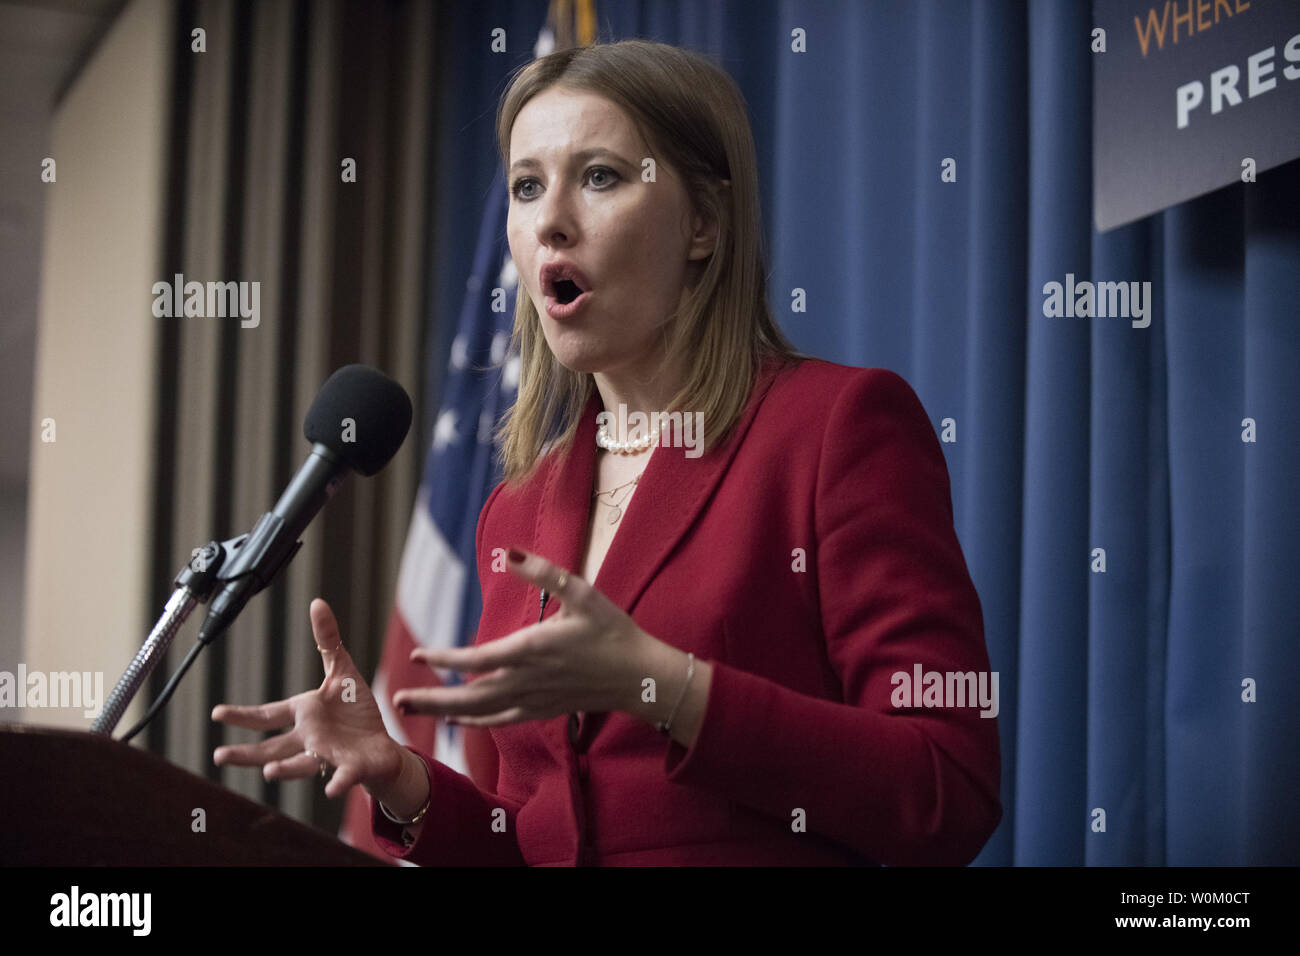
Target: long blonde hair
x=692, y=115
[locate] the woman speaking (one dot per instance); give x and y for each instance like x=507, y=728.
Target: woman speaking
x=703, y=632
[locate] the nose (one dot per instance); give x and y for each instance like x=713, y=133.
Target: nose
x=556, y=223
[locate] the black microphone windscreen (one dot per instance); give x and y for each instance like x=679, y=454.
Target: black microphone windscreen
x=361, y=415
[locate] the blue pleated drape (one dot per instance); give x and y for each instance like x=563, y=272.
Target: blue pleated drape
x=1121, y=690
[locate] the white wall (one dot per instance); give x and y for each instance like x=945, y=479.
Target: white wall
x=90, y=493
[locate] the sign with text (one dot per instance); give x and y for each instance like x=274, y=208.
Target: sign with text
x=1189, y=96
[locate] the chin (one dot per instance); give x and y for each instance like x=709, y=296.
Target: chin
x=580, y=361
x=577, y=352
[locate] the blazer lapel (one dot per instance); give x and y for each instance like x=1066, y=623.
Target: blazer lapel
x=669, y=497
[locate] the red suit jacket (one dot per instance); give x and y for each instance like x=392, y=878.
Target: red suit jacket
x=802, y=756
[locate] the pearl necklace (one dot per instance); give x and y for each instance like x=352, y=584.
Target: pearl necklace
x=634, y=447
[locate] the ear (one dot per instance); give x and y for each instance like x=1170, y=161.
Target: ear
x=704, y=237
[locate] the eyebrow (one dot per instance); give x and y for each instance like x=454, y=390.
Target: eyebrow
x=581, y=157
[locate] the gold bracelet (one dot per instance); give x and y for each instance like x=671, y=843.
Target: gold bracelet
x=415, y=819
x=422, y=811
x=666, y=726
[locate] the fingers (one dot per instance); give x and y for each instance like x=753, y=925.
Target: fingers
x=324, y=627
x=273, y=716
x=255, y=755
x=487, y=695
x=512, y=716
x=502, y=652
x=572, y=590
x=325, y=630
x=344, y=779
x=284, y=758
x=495, y=711
x=292, y=768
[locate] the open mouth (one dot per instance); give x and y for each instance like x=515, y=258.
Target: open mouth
x=566, y=290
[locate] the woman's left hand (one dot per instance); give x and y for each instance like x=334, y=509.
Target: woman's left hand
x=590, y=656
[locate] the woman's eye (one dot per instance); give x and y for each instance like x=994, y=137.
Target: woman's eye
x=606, y=175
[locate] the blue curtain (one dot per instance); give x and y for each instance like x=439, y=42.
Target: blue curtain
x=1121, y=691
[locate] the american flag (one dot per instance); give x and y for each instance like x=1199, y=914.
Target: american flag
x=438, y=600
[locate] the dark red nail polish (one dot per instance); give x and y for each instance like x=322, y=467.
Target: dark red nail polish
x=515, y=556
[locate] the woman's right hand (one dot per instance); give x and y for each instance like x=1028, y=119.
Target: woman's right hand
x=339, y=720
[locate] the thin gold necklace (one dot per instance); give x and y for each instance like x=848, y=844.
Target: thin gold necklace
x=617, y=506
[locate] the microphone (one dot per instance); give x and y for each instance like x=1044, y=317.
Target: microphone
x=357, y=422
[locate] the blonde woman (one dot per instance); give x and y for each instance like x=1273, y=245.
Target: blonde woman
x=726, y=603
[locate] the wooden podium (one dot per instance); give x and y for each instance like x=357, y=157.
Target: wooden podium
x=71, y=798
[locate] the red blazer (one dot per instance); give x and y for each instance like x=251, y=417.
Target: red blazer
x=842, y=466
